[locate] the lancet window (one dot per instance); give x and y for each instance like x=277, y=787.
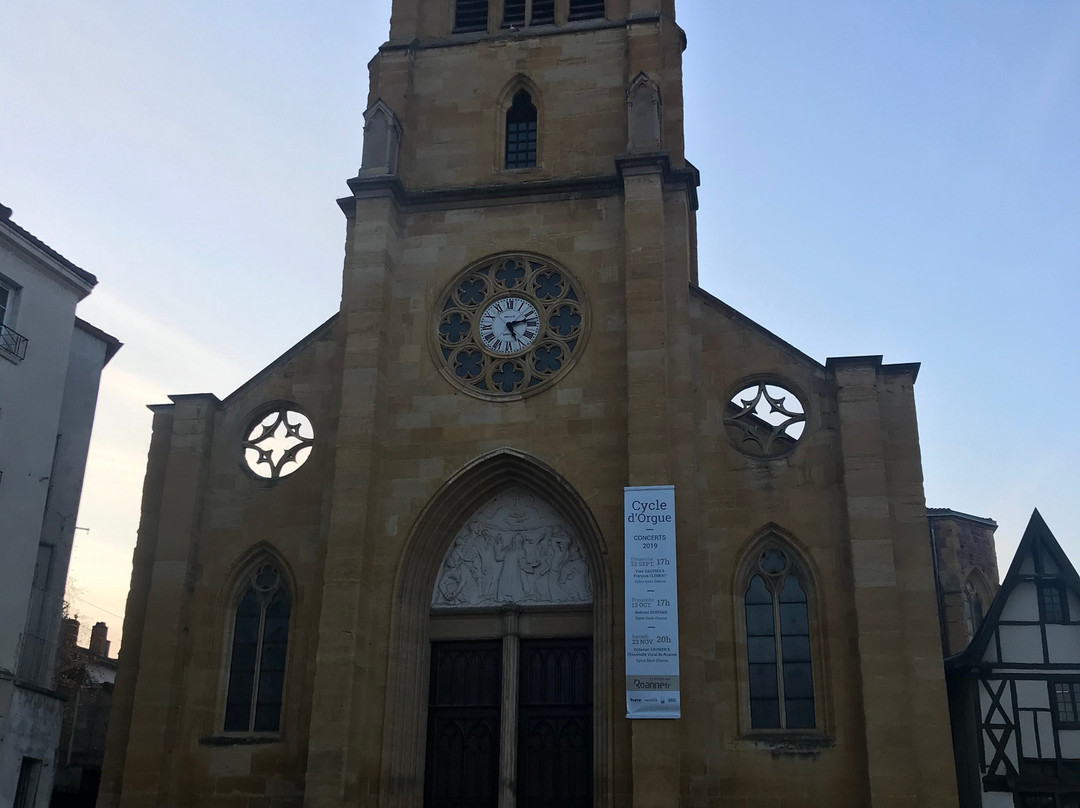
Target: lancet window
x=521, y=131
x=260, y=641
x=778, y=658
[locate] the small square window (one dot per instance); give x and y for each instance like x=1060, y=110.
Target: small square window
x=1067, y=703
x=1053, y=602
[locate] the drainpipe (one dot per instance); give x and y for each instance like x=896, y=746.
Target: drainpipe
x=942, y=630
x=74, y=722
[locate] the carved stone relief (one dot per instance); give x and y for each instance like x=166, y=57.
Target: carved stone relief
x=514, y=550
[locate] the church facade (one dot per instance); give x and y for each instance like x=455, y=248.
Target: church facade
x=389, y=569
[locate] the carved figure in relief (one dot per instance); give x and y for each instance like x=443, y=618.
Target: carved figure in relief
x=507, y=552
x=515, y=549
x=546, y=553
x=575, y=576
x=485, y=545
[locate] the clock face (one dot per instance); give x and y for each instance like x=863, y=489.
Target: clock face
x=509, y=325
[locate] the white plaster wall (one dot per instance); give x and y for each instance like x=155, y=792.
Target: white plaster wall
x=31, y=392
x=85, y=361
x=1063, y=642
x=1032, y=694
x=1021, y=644
x=1022, y=603
x=1070, y=743
x=997, y=799
x=32, y=729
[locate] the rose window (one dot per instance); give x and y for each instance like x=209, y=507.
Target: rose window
x=765, y=420
x=508, y=326
x=278, y=443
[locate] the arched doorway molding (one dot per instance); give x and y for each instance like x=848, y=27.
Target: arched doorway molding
x=458, y=498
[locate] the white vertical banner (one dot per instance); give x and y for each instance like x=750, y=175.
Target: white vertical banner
x=652, y=603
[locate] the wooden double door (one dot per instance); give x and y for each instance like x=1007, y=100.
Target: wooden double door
x=544, y=706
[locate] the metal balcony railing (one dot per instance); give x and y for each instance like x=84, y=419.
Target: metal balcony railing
x=12, y=341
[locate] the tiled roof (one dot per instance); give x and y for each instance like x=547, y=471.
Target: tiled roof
x=960, y=515
x=5, y=218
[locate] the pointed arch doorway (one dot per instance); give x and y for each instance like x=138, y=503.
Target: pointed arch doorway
x=501, y=666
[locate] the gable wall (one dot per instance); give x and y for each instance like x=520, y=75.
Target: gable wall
x=212, y=512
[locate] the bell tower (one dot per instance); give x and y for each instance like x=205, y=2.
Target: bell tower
x=604, y=78
x=501, y=136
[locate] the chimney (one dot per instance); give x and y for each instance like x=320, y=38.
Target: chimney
x=99, y=643
x=69, y=632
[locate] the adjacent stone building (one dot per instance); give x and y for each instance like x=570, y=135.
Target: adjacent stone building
x=50, y=367
x=85, y=679
x=965, y=563
x=389, y=569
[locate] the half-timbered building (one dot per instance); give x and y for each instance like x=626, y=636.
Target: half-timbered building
x=1015, y=691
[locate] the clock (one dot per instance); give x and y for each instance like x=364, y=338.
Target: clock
x=508, y=326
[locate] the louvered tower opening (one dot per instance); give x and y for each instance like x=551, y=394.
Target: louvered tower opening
x=515, y=11
x=586, y=9
x=543, y=12
x=470, y=15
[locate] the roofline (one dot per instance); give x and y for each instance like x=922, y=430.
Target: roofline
x=38, y=249
x=112, y=344
x=982, y=520
x=877, y=361
x=288, y=354
x=1036, y=530
x=735, y=314
x=292, y=351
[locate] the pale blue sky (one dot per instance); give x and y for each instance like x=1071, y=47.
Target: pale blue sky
x=889, y=177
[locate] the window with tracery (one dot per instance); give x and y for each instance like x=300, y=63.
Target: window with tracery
x=278, y=443
x=764, y=419
x=257, y=660
x=521, y=132
x=780, y=674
